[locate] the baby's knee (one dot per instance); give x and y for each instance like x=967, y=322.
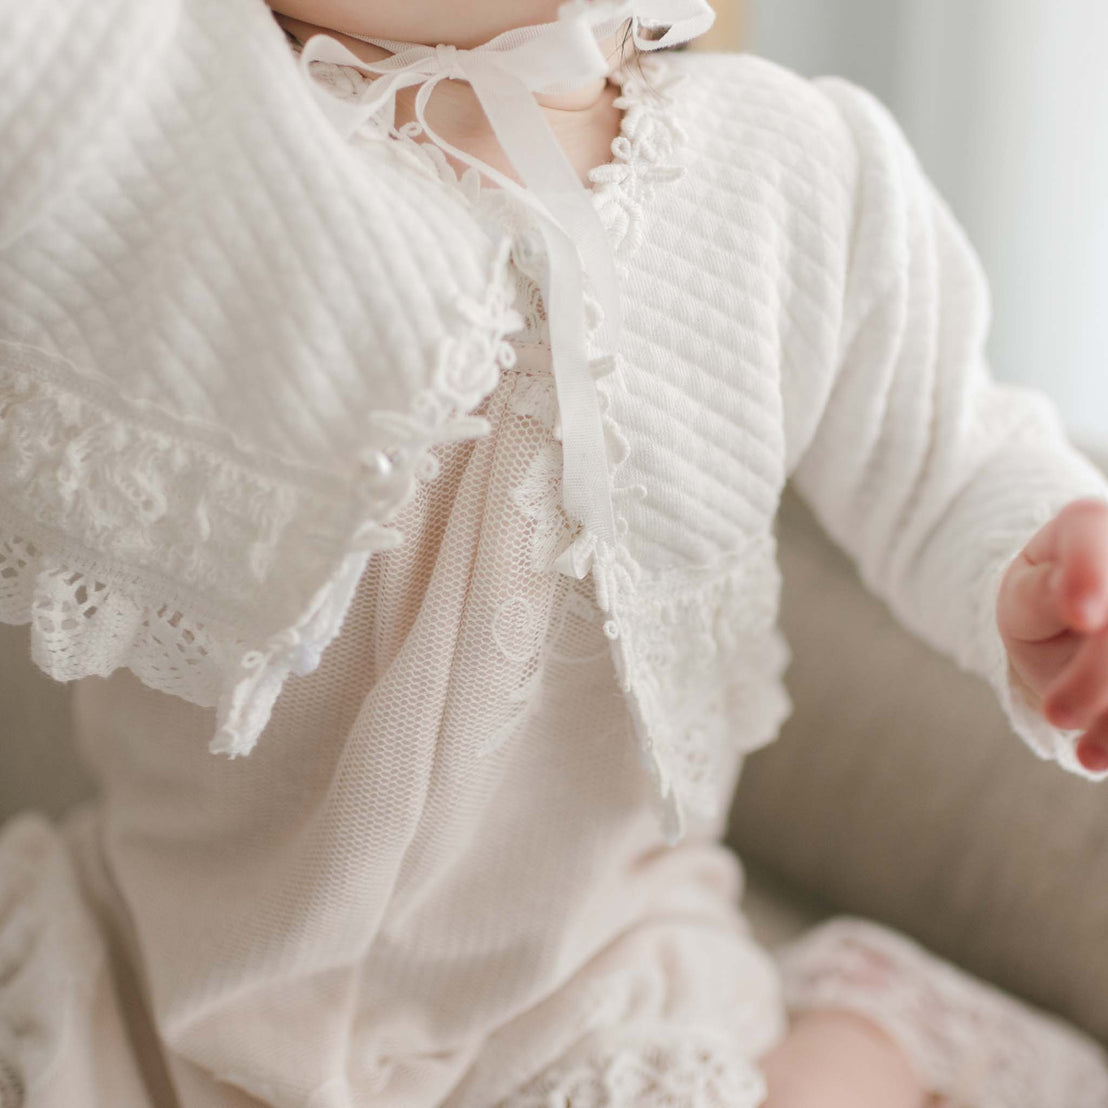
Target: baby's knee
x=832, y=1058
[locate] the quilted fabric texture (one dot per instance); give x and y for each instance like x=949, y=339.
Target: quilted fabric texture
x=229, y=339
x=211, y=422
x=691, y=592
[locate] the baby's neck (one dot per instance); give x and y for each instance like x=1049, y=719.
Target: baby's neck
x=584, y=120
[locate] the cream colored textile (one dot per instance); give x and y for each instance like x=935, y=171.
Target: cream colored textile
x=441, y=868
x=440, y=880
x=215, y=386
x=404, y=898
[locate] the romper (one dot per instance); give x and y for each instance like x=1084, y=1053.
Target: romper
x=439, y=880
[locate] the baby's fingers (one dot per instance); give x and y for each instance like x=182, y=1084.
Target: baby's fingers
x=1092, y=747
x=1077, y=541
x=1030, y=607
x=1080, y=695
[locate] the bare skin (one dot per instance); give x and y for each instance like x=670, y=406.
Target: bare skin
x=584, y=121
x=837, y=1059
x=1053, y=618
x=828, y=1058
x=427, y=21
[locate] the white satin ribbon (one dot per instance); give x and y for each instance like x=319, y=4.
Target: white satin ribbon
x=505, y=73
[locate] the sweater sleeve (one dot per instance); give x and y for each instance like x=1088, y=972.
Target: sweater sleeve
x=69, y=68
x=927, y=471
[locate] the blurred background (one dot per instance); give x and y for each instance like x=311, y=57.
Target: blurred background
x=1006, y=103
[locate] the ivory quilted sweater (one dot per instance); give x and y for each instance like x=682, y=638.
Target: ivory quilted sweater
x=255, y=382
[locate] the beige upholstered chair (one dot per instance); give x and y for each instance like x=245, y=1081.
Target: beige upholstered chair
x=896, y=791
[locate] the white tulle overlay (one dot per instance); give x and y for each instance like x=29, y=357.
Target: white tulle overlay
x=440, y=881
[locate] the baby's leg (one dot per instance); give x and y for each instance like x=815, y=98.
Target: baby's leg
x=959, y=1035
x=834, y=1058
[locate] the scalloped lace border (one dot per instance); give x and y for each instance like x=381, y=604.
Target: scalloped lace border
x=69, y=571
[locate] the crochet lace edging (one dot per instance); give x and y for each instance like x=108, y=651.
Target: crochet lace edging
x=651, y=1067
x=696, y=653
x=678, y=718
x=112, y=502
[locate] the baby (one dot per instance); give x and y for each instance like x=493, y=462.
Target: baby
x=440, y=880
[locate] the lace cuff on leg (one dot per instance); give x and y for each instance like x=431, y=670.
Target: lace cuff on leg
x=662, y=1066
x=966, y=1039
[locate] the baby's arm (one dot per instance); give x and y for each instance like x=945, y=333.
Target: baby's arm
x=930, y=473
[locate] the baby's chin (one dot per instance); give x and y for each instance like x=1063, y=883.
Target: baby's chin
x=465, y=24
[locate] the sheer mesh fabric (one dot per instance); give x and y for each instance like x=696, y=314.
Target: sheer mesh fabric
x=519, y=615
x=441, y=867
x=438, y=880
x=968, y=1041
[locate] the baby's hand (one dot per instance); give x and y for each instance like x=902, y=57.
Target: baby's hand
x=1053, y=617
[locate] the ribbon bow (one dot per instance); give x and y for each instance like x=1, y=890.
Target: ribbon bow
x=505, y=73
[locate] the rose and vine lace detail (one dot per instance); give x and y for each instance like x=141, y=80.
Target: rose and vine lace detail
x=677, y=641
x=149, y=491
x=967, y=1040
x=697, y=651
x=645, y=155
x=673, y=1067
x=642, y=158
x=539, y=498
x=539, y=621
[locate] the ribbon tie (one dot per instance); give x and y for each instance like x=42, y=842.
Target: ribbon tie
x=505, y=73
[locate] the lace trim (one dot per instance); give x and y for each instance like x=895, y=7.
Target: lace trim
x=81, y=626
x=677, y=646
x=966, y=1039
x=643, y=153
x=131, y=539
x=643, y=156
x=672, y=1067
x=696, y=653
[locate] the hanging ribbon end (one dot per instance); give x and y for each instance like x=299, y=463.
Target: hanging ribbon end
x=577, y=559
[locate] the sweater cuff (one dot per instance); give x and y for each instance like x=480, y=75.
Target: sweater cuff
x=1020, y=704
